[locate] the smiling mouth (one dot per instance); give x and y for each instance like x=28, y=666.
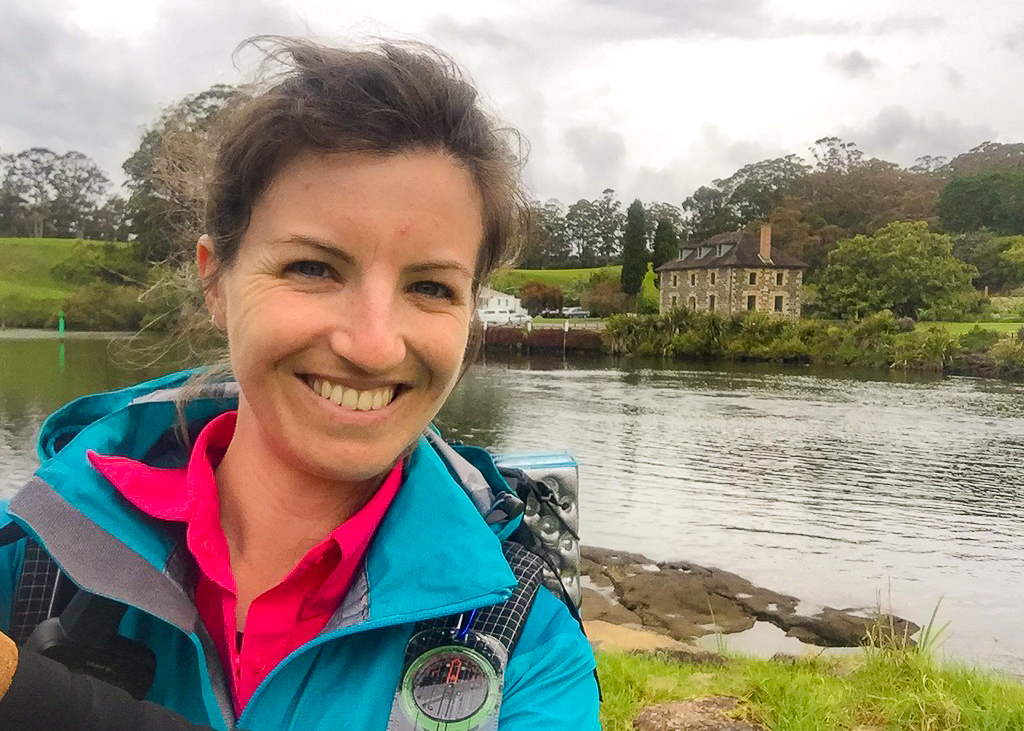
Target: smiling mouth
x=350, y=398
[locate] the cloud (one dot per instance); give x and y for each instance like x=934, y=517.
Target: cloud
x=57, y=90
x=917, y=24
x=896, y=134
x=952, y=77
x=1014, y=40
x=852, y=65
x=599, y=152
x=66, y=89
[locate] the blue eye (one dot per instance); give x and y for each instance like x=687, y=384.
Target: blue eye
x=314, y=269
x=433, y=289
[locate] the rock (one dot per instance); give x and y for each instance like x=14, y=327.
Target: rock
x=608, y=636
x=837, y=628
x=697, y=714
x=597, y=606
x=687, y=601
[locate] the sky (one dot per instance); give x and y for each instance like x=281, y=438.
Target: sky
x=651, y=98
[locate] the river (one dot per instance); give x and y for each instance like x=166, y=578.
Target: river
x=846, y=489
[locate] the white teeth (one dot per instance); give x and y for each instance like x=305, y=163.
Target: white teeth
x=350, y=398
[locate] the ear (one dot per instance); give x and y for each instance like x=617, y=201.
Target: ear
x=206, y=262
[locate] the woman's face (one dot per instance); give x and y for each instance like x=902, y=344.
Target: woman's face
x=348, y=307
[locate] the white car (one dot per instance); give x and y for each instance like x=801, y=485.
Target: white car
x=503, y=317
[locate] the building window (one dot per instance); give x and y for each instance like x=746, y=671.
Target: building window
x=693, y=280
x=711, y=302
x=675, y=280
x=778, y=278
x=693, y=303
x=778, y=303
x=753, y=277
x=712, y=279
x=751, y=301
x=673, y=300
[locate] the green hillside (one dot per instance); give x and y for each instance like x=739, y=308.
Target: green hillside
x=29, y=294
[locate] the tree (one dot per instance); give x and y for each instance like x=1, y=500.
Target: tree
x=993, y=199
x=656, y=212
x=985, y=252
x=1013, y=255
x=166, y=174
x=608, y=226
x=44, y=193
x=666, y=243
x=547, y=242
x=904, y=267
x=708, y=213
x=581, y=232
x=29, y=181
x=80, y=188
x=634, y=250
x=537, y=296
x=987, y=156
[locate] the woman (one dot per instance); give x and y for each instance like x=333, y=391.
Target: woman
x=278, y=567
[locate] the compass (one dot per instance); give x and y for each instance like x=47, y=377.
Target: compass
x=450, y=688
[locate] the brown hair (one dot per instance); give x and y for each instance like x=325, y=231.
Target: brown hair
x=386, y=100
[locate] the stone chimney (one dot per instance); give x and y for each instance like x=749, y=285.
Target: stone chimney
x=766, y=243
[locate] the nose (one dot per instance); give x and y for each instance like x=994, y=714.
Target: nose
x=368, y=331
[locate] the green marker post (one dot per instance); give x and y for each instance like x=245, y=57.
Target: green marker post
x=60, y=322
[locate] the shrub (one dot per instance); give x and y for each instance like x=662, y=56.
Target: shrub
x=537, y=296
x=103, y=306
x=110, y=262
x=1008, y=356
x=19, y=311
x=978, y=340
x=603, y=296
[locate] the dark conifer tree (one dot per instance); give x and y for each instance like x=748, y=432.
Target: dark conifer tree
x=634, y=249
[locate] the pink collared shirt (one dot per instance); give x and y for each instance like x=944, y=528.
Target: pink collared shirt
x=282, y=618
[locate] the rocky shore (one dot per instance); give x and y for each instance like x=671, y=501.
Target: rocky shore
x=632, y=602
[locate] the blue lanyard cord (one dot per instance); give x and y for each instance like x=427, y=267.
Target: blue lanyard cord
x=463, y=628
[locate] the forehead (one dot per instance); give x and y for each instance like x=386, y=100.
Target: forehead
x=422, y=194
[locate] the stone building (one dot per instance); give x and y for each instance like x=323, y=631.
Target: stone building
x=731, y=273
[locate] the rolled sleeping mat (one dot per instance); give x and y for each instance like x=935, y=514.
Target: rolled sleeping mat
x=40, y=694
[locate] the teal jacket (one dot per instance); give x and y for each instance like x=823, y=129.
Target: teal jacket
x=433, y=556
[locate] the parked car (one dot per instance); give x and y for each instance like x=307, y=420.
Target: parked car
x=503, y=317
x=575, y=312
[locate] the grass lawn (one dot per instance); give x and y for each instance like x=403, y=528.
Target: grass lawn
x=894, y=690
x=959, y=328
x=25, y=266
x=569, y=280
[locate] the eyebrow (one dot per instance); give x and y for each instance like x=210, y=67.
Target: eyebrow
x=332, y=250
x=323, y=246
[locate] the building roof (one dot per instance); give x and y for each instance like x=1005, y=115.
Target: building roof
x=744, y=254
